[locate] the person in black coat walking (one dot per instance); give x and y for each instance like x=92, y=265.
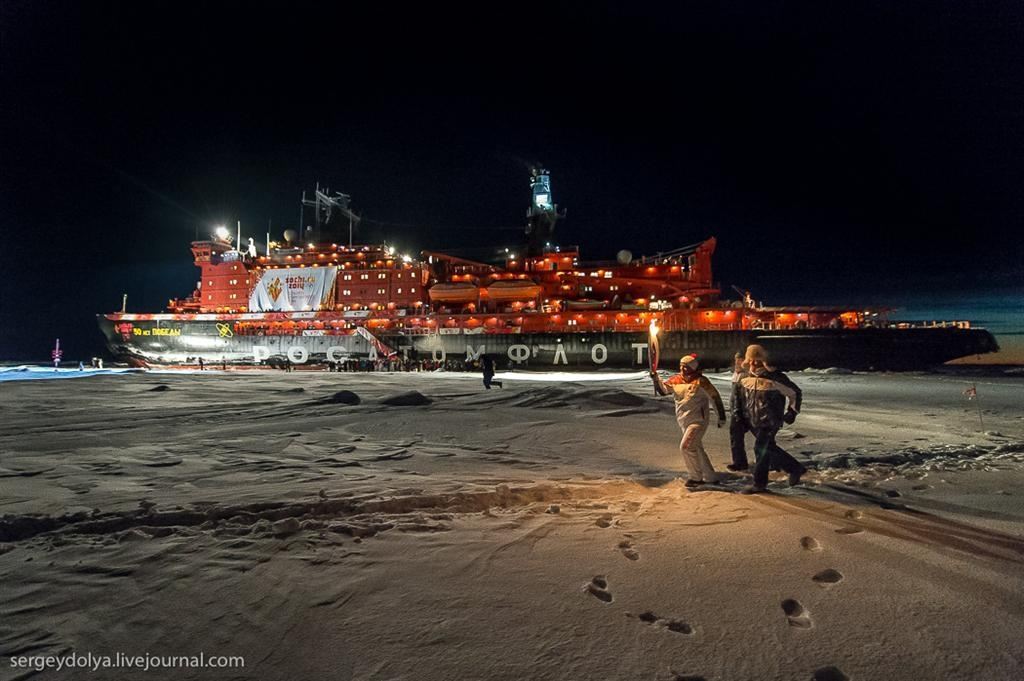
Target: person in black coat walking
x=488, y=366
x=759, y=401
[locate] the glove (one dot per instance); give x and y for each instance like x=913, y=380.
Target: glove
x=721, y=422
x=790, y=416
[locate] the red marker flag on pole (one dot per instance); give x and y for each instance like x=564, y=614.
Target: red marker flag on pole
x=972, y=394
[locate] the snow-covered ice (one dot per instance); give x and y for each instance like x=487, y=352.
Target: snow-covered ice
x=539, y=531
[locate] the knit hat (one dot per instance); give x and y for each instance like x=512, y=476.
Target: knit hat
x=690, y=362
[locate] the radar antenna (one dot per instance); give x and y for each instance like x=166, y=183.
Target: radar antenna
x=328, y=210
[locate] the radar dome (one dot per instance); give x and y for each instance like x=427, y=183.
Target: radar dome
x=624, y=257
x=290, y=235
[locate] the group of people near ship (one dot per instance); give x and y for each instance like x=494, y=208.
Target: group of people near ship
x=763, y=399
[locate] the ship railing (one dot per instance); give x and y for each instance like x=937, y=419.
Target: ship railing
x=674, y=253
x=720, y=327
x=959, y=324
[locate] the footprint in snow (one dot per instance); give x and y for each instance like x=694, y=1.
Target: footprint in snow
x=626, y=548
x=677, y=626
x=796, y=614
x=809, y=544
x=853, y=514
x=604, y=521
x=598, y=587
x=829, y=674
x=828, y=577
x=849, y=530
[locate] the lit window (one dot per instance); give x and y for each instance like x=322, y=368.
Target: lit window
x=608, y=275
x=364, y=276
x=346, y=292
x=399, y=290
x=381, y=291
x=412, y=290
x=382, y=276
x=347, y=277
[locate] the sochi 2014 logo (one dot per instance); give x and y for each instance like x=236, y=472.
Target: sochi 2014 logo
x=274, y=289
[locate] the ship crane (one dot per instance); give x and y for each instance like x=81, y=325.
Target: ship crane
x=748, y=299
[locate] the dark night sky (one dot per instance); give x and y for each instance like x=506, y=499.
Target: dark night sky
x=838, y=153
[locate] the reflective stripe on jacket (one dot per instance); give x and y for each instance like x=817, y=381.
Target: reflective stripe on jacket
x=760, y=400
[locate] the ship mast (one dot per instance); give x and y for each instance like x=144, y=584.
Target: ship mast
x=328, y=209
x=542, y=213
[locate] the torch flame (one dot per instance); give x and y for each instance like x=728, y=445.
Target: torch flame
x=654, y=328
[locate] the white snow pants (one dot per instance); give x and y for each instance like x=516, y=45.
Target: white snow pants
x=696, y=459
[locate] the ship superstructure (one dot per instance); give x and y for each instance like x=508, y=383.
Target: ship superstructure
x=308, y=301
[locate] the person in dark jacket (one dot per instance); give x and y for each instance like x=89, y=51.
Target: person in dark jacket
x=759, y=401
x=737, y=428
x=488, y=365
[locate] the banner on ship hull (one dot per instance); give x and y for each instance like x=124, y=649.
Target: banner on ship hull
x=294, y=289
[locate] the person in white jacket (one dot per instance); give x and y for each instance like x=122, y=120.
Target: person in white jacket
x=693, y=394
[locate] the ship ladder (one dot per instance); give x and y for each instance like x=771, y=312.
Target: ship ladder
x=382, y=348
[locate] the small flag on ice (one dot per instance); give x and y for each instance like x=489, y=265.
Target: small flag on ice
x=972, y=394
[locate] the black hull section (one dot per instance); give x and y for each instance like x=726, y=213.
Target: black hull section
x=175, y=342
x=858, y=350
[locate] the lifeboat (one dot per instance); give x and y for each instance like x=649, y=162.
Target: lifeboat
x=461, y=292
x=513, y=290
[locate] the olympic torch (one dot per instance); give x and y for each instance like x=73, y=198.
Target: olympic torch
x=653, y=350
